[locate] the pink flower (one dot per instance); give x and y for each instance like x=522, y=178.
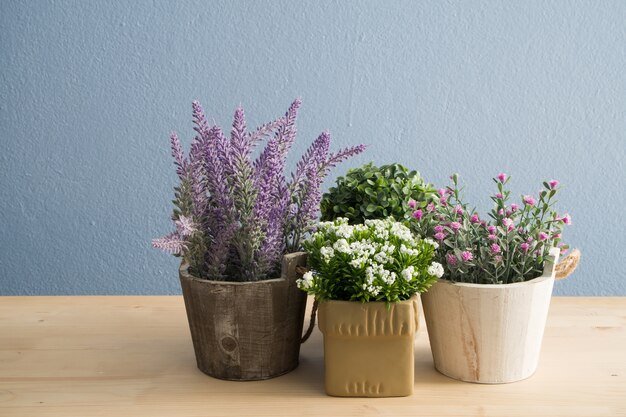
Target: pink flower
x=553, y=184
x=502, y=177
x=498, y=195
x=458, y=209
x=451, y=259
x=556, y=236
x=412, y=203
x=501, y=212
x=566, y=219
x=514, y=207
x=467, y=256
x=563, y=247
x=440, y=235
x=508, y=213
x=438, y=228
x=492, y=237
x=498, y=258
x=506, y=222
x=430, y=207
x=529, y=200
x=443, y=201
x=474, y=219
x=524, y=247
x=418, y=214
x=529, y=239
x=455, y=226
x=441, y=192
x=495, y=248
x=542, y=236
x=491, y=229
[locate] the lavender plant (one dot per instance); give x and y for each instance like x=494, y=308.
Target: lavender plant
x=236, y=216
x=511, y=246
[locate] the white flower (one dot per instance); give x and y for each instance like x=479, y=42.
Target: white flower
x=407, y=251
x=358, y=262
x=432, y=243
x=407, y=273
x=306, y=281
x=344, y=231
x=342, y=246
x=435, y=269
x=381, y=258
x=327, y=252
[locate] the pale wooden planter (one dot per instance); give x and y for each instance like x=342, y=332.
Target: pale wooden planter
x=488, y=334
x=246, y=331
x=368, y=349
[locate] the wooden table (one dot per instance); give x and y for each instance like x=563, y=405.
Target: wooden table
x=132, y=356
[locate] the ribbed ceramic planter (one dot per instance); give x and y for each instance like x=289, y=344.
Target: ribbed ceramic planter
x=368, y=349
x=246, y=331
x=488, y=333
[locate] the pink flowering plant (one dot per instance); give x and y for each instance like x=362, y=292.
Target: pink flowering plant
x=510, y=246
x=235, y=215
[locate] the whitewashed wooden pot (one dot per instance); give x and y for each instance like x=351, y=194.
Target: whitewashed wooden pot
x=488, y=334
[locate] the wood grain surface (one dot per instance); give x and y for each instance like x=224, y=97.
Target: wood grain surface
x=132, y=356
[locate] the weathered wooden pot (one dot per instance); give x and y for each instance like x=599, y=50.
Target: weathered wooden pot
x=246, y=331
x=488, y=334
x=368, y=349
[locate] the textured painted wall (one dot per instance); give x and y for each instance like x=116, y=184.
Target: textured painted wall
x=90, y=91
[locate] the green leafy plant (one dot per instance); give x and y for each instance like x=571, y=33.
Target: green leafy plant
x=380, y=260
x=371, y=192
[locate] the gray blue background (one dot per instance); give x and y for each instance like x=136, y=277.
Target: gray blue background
x=89, y=92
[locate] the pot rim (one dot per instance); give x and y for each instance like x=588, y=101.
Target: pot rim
x=548, y=274
x=184, y=273
x=413, y=297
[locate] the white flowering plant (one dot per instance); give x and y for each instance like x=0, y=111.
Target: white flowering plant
x=380, y=260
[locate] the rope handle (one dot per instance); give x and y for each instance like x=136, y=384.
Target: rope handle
x=567, y=265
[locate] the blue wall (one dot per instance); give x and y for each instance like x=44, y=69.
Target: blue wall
x=90, y=91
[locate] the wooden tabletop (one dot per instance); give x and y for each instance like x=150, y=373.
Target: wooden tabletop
x=132, y=356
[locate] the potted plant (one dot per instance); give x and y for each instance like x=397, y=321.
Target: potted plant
x=239, y=228
x=366, y=278
x=487, y=314
x=371, y=192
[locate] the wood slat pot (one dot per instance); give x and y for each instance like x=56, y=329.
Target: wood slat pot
x=368, y=349
x=246, y=331
x=488, y=333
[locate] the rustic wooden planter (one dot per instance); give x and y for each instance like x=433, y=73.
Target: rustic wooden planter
x=368, y=349
x=246, y=331
x=488, y=334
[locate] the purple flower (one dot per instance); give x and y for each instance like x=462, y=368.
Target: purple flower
x=418, y=214
x=529, y=200
x=553, y=184
x=492, y=237
x=443, y=201
x=524, y=247
x=542, y=236
x=491, y=229
x=495, y=248
x=502, y=177
x=458, y=210
x=514, y=207
x=467, y=256
x=451, y=259
x=242, y=216
x=412, y=204
x=439, y=228
x=430, y=207
x=440, y=236
x=474, y=219
x=455, y=226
